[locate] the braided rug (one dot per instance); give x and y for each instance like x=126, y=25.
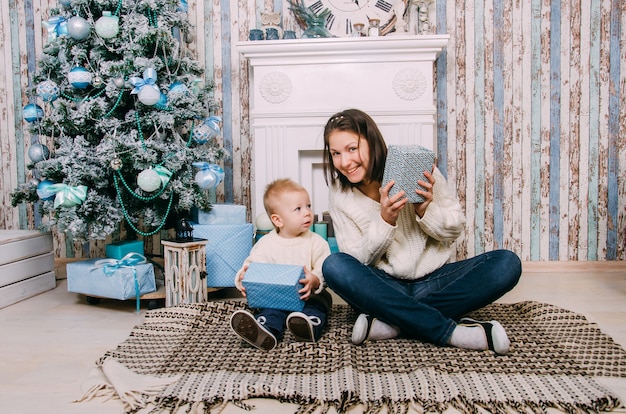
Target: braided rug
x=554, y=356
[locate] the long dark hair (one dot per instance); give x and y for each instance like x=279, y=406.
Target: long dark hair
x=363, y=125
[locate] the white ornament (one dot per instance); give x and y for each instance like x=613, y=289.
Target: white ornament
x=149, y=96
x=149, y=180
x=263, y=222
x=107, y=26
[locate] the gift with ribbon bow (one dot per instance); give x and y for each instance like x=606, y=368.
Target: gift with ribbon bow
x=127, y=278
x=145, y=88
x=68, y=196
x=56, y=26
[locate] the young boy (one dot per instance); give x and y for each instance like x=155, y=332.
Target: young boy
x=288, y=205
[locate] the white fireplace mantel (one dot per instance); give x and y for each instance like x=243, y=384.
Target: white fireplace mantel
x=296, y=85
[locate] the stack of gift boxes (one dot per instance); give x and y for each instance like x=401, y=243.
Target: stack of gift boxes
x=229, y=238
x=124, y=275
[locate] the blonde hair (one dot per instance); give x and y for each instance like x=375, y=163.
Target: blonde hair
x=275, y=190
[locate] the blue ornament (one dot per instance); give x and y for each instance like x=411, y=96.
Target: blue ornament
x=209, y=176
x=33, y=113
x=162, y=102
x=43, y=190
x=208, y=130
x=48, y=91
x=66, y=3
x=177, y=89
x=79, y=77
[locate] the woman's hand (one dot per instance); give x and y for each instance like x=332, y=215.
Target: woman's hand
x=390, y=207
x=310, y=284
x=427, y=194
x=239, y=280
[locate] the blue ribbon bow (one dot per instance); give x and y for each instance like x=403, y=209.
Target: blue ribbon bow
x=110, y=266
x=66, y=195
x=149, y=80
x=213, y=122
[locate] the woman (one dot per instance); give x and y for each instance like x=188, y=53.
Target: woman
x=393, y=266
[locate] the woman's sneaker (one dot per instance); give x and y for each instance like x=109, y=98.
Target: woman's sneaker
x=497, y=339
x=244, y=324
x=302, y=326
x=368, y=328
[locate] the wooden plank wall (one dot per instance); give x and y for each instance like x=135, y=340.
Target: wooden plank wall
x=531, y=118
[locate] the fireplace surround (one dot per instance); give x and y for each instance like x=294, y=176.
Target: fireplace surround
x=296, y=85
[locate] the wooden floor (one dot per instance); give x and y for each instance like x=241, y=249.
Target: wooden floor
x=49, y=343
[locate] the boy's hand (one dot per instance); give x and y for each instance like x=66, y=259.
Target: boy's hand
x=239, y=279
x=310, y=284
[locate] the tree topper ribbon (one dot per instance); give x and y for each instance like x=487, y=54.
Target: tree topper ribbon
x=56, y=26
x=66, y=195
x=110, y=266
x=164, y=174
x=149, y=80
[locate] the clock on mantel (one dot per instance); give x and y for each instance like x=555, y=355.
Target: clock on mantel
x=345, y=13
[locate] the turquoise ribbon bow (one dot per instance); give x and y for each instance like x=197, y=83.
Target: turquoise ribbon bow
x=67, y=196
x=110, y=266
x=164, y=174
x=149, y=80
x=56, y=26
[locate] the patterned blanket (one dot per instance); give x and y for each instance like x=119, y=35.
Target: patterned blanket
x=555, y=355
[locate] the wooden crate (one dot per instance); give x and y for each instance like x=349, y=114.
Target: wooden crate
x=26, y=265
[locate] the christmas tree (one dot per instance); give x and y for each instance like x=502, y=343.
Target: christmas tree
x=126, y=111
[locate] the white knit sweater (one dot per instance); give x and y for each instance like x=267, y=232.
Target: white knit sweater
x=414, y=247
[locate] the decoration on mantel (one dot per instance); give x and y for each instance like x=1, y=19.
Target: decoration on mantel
x=275, y=87
x=409, y=84
x=418, y=17
x=271, y=20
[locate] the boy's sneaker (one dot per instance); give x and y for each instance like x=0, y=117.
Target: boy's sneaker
x=497, y=339
x=302, y=326
x=244, y=324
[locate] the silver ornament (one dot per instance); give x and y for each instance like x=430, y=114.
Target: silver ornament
x=78, y=28
x=97, y=81
x=119, y=82
x=116, y=164
x=38, y=152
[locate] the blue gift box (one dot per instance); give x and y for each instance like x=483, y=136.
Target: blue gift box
x=92, y=278
x=227, y=248
x=220, y=214
x=120, y=249
x=274, y=286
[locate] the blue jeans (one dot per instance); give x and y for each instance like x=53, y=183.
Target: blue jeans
x=426, y=308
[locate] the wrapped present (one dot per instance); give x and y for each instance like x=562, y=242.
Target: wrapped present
x=227, y=248
x=406, y=165
x=120, y=249
x=226, y=213
x=122, y=279
x=274, y=286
